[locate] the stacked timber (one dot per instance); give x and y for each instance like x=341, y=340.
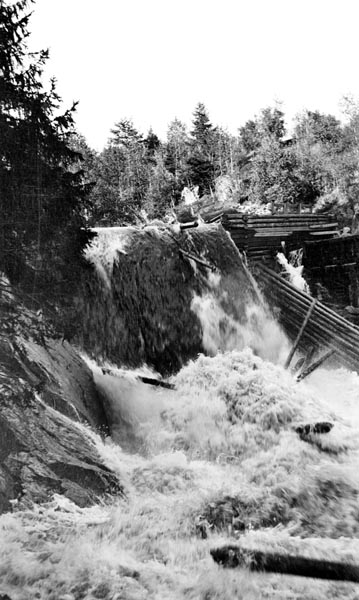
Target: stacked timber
x=236, y=224
x=324, y=328
x=272, y=231
x=262, y=236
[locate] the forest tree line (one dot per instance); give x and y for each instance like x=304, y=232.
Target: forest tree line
x=263, y=166
x=54, y=187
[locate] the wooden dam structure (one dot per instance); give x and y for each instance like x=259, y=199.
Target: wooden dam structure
x=331, y=262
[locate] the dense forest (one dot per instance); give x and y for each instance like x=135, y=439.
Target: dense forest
x=261, y=168
x=54, y=187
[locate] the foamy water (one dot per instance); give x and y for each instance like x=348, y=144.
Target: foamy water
x=294, y=269
x=215, y=460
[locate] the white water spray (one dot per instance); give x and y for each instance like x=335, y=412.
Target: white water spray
x=294, y=271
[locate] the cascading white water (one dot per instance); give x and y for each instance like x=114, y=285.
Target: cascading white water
x=223, y=439
x=294, y=269
x=215, y=460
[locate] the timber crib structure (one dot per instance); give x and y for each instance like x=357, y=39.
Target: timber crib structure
x=331, y=263
x=262, y=236
x=323, y=329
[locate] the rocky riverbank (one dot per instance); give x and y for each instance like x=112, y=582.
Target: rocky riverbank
x=46, y=390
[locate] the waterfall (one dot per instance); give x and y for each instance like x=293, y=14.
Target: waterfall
x=217, y=459
x=147, y=300
x=294, y=269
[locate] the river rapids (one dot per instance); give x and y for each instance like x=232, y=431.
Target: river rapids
x=215, y=460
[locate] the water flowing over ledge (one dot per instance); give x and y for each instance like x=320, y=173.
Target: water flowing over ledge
x=148, y=300
x=216, y=460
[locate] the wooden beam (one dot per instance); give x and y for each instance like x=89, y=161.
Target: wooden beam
x=299, y=336
x=197, y=260
x=315, y=365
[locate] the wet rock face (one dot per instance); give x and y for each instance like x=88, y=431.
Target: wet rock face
x=135, y=304
x=45, y=389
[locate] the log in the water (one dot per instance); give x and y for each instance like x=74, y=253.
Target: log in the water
x=197, y=260
x=148, y=380
x=259, y=560
x=158, y=382
x=308, y=428
x=188, y=225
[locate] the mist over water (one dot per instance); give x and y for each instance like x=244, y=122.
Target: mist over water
x=217, y=459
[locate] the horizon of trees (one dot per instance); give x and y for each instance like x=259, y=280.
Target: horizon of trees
x=261, y=167
x=44, y=190
x=53, y=186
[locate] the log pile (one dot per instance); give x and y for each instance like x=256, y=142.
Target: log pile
x=324, y=329
x=261, y=236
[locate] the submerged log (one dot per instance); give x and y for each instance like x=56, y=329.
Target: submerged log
x=309, y=428
x=232, y=556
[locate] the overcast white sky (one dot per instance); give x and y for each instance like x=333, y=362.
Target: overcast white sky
x=153, y=60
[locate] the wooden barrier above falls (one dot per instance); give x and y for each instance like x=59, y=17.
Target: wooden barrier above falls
x=262, y=236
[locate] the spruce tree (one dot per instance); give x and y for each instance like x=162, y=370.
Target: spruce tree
x=201, y=160
x=42, y=190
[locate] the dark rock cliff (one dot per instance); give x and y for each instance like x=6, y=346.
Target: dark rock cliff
x=45, y=389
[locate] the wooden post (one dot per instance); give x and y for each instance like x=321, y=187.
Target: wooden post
x=315, y=365
x=299, y=336
x=354, y=287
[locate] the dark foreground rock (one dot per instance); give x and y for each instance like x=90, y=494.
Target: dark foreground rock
x=45, y=391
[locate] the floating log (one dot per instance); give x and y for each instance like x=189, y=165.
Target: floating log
x=188, y=225
x=148, y=380
x=233, y=556
x=309, y=428
x=157, y=382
